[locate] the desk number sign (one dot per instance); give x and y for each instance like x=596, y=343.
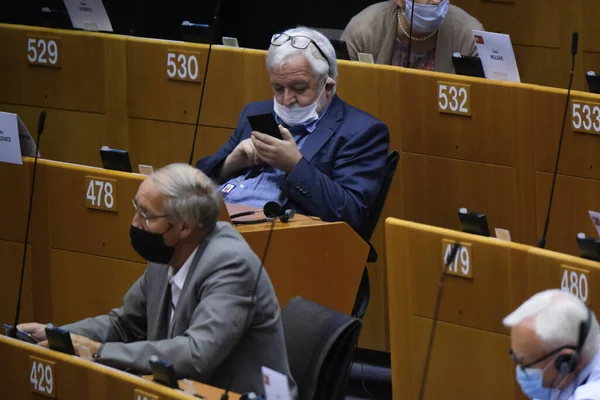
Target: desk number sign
x=585, y=117
x=183, y=66
x=454, y=98
x=42, y=377
x=576, y=281
x=139, y=395
x=101, y=194
x=43, y=51
x=463, y=262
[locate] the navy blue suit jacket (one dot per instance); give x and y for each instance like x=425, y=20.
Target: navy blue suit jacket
x=342, y=166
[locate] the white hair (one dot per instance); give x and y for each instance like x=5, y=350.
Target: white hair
x=277, y=56
x=557, y=316
x=191, y=195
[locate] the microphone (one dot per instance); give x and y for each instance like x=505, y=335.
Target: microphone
x=447, y=263
x=225, y=395
x=410, y=40
x=574, y=42
x=272, y=211
x=212, y=40
x=41, y=124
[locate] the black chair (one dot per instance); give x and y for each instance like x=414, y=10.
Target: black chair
x=320, y=345
x=366, y=231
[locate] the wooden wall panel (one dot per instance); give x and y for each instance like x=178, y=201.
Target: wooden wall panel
x=77, y=85
x=11, y=256
x=160, y=143
x=16, y=181
x=435, y=188
x=84, y=285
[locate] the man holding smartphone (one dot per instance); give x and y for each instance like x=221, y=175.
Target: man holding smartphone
x=331, y=158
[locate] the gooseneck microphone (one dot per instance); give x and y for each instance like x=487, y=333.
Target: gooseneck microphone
x=225, y=395
x=410, y=37
x=40, y=129
x=212, y=40
x=574, y=42
x=438, y=303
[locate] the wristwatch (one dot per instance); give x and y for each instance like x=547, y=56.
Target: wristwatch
x=99, y=352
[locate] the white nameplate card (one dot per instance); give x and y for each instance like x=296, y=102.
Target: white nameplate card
x=366, y=58
x=15, y=140
x=89, y=15
x=276, y=385
x=595, y=217
x=497, y=56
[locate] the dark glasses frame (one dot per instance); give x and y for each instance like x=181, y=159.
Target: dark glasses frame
x=276, y=38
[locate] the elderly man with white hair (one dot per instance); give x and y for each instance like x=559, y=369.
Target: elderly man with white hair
x=555, y=345
x=331, y=160
x=193, y=305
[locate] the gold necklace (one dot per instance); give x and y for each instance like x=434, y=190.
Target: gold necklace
x=416, y=39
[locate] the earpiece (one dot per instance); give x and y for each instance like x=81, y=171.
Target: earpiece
x=271, y=210
x=567, y=363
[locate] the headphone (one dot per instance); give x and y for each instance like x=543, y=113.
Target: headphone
x=567, y=363
x=271, y=210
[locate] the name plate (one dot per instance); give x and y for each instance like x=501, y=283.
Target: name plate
x=101, y=194
x=462, y=265
x=576, y=281
x=42, y=377
x=585, y=117
x=44, y=51
x=183, y=66
x=454, y=98
x=140, y=395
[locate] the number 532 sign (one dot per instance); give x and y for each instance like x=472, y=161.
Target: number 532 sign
x=454, y=98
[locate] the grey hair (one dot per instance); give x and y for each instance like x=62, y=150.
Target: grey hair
x=277, y=56
x=557, y=316
x=191, y=195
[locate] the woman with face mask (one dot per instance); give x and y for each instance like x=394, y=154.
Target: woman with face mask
x=439, y=29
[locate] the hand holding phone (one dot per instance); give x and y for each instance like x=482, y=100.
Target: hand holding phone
x=21, y=335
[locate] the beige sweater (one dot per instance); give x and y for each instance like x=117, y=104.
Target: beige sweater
x=374, y=29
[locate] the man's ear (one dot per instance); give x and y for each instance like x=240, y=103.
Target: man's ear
x=187, y=227
x=329, y=84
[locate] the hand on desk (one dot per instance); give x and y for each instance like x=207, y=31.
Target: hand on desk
x=38, y=331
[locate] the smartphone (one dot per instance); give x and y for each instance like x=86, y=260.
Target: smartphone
x=163, y=373
x=59, y=340
x=21, y=335
x=114, y=159
x=468, y=65
x=265, y=123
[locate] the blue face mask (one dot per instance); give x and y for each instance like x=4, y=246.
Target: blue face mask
x=428, y=17
x=531, y=381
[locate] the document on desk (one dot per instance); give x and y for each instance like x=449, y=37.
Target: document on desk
x=497, y=56
x=276, y=385
x=89, y=15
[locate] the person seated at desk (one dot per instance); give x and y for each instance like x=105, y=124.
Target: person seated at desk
x=439, y=30
x=555, y=342
x=331, y=160
x=190, y=305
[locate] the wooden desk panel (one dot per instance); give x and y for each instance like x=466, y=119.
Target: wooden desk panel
x=75, y=227
x=77, y=85
x=159, y=143
x=579, y=156
x=591, y=30
x=84, y=285
x=69, y=136
x=573, y=198
x=76, y=378
x=319, y=261
x=152, y=95
x=16, y=183
x=434, y=189
x=11, y=254
x=487, y=136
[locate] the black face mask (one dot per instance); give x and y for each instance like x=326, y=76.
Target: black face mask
x=151, y=246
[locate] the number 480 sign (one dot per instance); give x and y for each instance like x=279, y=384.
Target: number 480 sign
x=575, y=281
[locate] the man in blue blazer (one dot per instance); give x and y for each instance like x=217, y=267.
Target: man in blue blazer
x=331, y=160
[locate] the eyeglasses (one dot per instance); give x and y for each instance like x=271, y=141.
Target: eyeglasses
x=145, y=217
x=524, y=367
x=298, y=42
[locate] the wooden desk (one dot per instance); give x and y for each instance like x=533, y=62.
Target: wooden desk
x=76, y=378
x=78, y=251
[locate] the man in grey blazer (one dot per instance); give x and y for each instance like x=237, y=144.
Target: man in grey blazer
x=190, y=306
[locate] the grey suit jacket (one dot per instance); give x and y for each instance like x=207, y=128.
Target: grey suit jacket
x=374, y=31
x=206, y=341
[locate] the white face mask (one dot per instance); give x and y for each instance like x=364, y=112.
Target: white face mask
x=428, y=17
x=294, y=116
